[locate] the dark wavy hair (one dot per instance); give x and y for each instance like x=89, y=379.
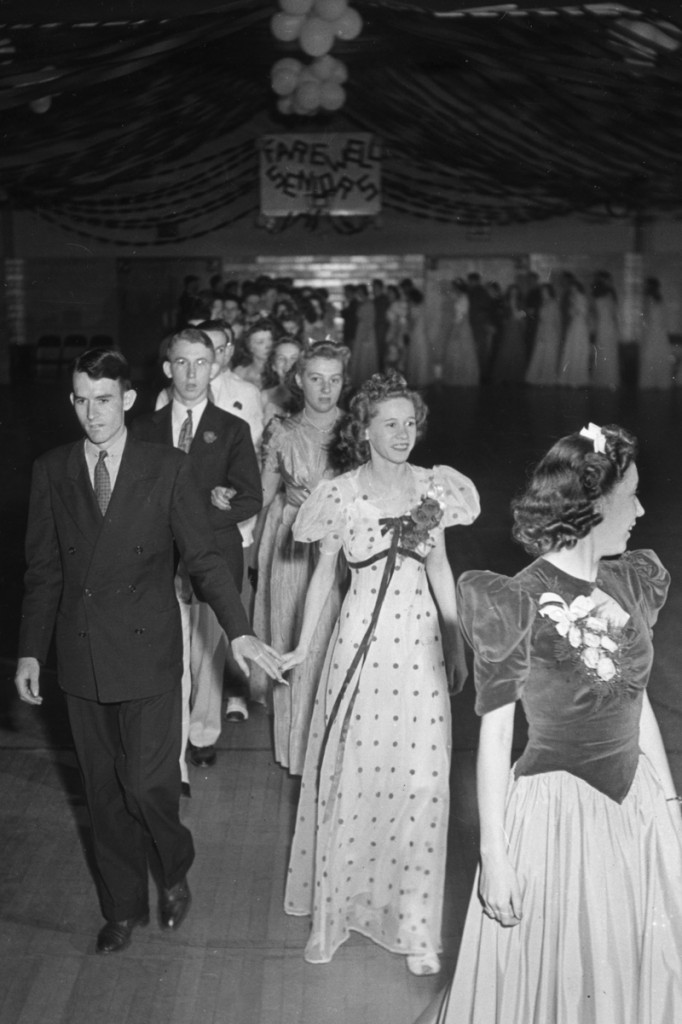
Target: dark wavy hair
x=353, y=448
x=98, y=363
x=561, y=502
x=243, y=355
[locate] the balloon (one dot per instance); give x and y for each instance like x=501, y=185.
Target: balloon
x=317, y=37
x=330, y=10
x=286, y=27
x=287, y=64
x=349, y=25
x=332, y=95
x=285, y=105
x=339, y=72
x=296, y=6
x=283, y=82
x=308, y=75
x=323, y=67
x=308, y=96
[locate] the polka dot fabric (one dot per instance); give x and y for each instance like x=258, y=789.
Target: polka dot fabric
x=368, y=854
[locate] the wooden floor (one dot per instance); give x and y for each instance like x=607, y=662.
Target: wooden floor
x=238, y=957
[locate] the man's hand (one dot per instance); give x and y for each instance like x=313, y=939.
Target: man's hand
x=255, y=650
x=220, y=497
x=27, y=679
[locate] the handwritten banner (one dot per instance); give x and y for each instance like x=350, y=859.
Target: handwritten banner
x=337, y=173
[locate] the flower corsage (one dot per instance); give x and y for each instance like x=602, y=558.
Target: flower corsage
x=586, y=639
x=417, y=524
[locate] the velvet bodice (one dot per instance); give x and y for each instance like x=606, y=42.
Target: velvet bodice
x=576, y=722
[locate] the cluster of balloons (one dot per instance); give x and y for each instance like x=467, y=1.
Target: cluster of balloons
x=315, y=24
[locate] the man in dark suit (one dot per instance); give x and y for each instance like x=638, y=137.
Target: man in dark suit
x=105, y=515
x=226, y=467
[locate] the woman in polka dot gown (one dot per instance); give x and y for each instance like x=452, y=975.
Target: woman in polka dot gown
x=369, y=848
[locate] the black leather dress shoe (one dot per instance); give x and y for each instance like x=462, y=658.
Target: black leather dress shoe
x=185, y=789
x=202, y=757
x=116, y=935
x=174, y=904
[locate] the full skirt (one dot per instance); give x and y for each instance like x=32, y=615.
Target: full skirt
x=600, y=940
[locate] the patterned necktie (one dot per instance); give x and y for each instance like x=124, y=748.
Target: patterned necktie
x=185, y=439
x=102, y=484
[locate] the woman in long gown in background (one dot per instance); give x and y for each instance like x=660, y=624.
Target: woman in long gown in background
x=510, y=361
x=368, y=853
x=576, y=913
x=276, y=396
x=606, y=373
x=460, y=361
x=418, y=362
x=296, y=458
x=655, y=360
x=574, y=361
x=364, y=360
x=544, y=363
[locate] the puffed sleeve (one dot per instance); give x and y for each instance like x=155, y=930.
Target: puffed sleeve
x=271, y=445
x=650, y=581
x=458, y=494
x=321, y=516
x=496, y=616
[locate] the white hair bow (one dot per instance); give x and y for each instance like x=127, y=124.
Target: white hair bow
x=596, y=435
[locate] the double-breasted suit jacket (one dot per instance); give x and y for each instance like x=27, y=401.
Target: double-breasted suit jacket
x=108, y=582
x=222, y=455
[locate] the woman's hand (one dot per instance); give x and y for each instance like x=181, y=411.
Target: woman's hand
x=293, y=658
x=500, y=892
x=220, y=497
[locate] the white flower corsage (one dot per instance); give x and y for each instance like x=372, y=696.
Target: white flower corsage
x=586, y=639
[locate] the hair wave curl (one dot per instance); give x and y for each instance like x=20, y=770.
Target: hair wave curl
x=560, y=505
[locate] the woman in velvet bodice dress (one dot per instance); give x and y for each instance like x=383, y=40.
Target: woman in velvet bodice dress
x=576, y=915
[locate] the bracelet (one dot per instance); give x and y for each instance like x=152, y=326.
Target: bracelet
x=672, y=799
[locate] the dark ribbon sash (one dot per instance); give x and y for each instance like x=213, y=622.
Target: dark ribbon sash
x=391, y=555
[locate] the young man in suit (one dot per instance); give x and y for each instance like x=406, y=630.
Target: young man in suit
x=105, y=517
x=240, y=397
x=219, y=444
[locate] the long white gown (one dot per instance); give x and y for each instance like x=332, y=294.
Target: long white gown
x=543, y=368
x=574, y=361
x=607, y=336
x=369, y=848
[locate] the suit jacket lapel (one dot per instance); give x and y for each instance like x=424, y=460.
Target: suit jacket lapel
x=79, y=496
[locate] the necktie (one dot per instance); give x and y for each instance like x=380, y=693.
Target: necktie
x=102, y=483
x=185, y=439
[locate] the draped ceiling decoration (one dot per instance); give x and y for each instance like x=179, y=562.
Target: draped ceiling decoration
x=488, y=114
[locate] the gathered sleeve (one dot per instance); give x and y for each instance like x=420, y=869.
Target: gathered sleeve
x=321, y=517
x=458, y=494
x=496, y=616
x=271, y=445
x=649, y=580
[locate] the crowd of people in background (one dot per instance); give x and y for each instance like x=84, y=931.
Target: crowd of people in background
x=312, y=576
x=560, y=332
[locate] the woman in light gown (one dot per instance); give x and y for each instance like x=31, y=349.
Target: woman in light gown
x=460, y=362
x=252, y=351
x=276, y=396
x=296, y=458
x=576, y=913
x=544, y=362
x=510, y=362
x=397, y=332
x=606, y=373
x=655, y=360
x=368, y=853
x=364, y=359
x=574, y=361
x=418, y=361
